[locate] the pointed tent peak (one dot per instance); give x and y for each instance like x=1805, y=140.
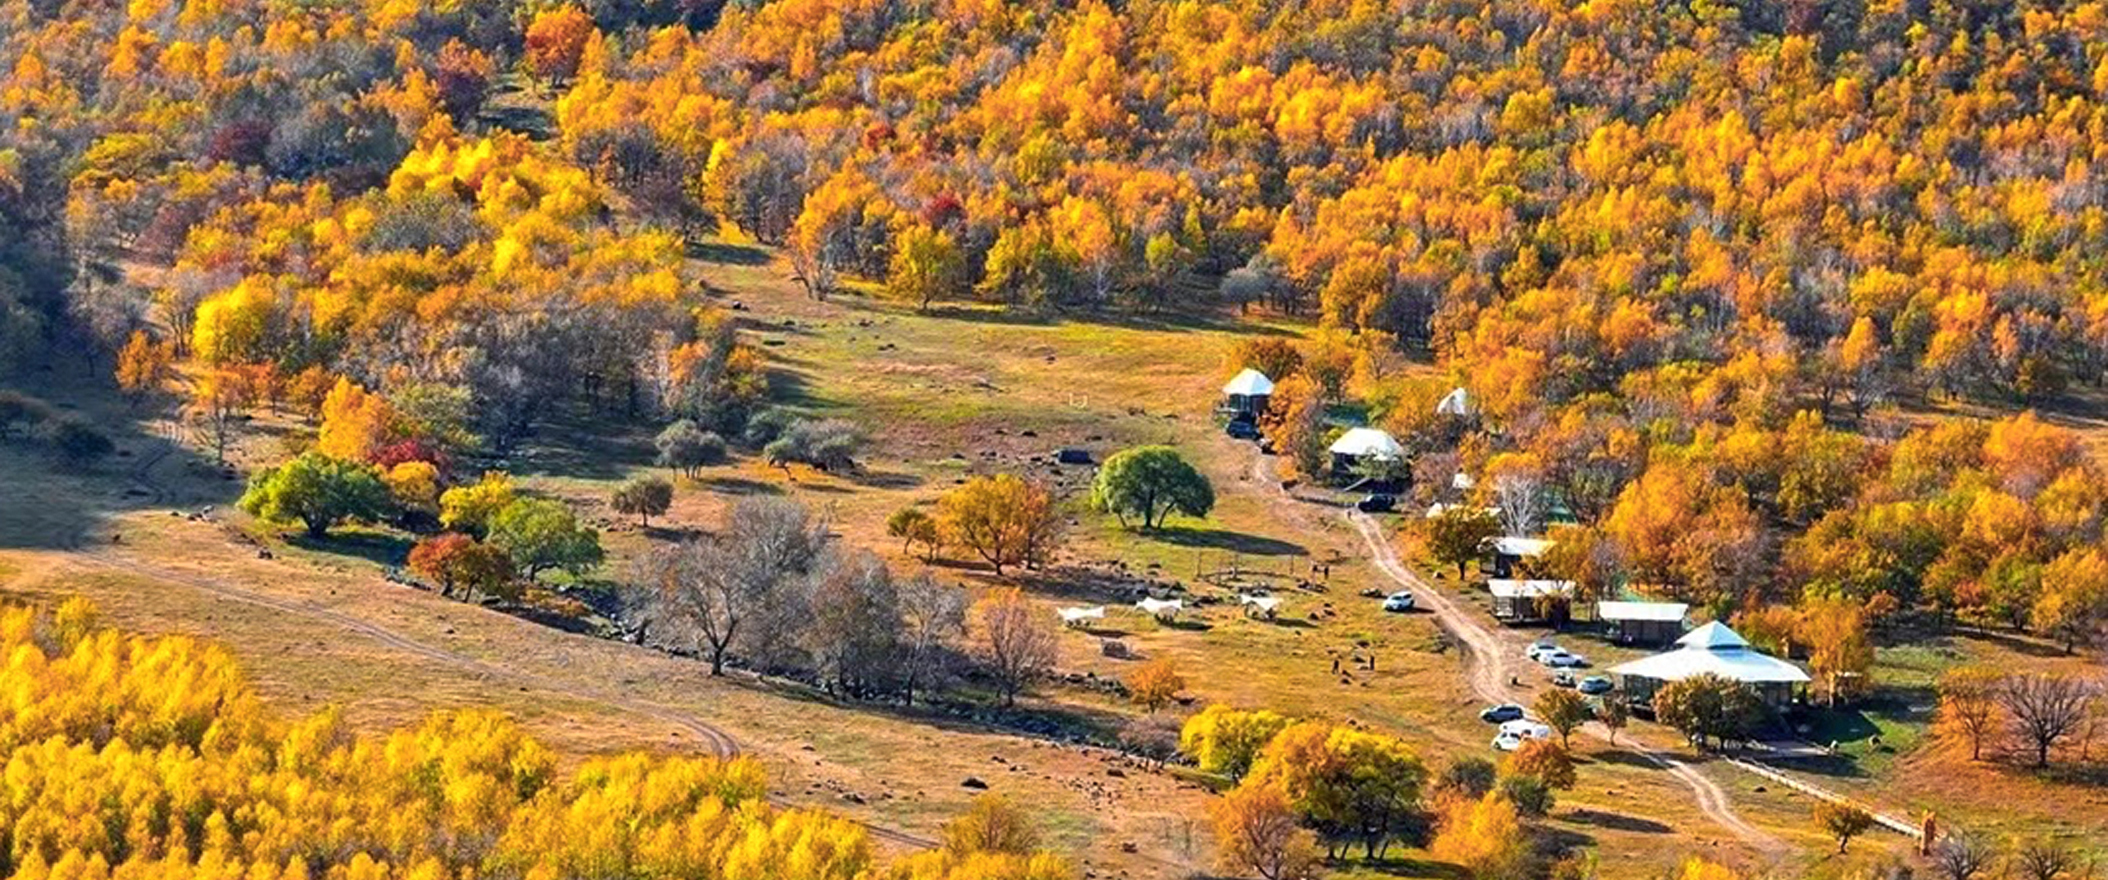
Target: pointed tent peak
x=1456, y=403
x=1714, y=636
x=1362, y=442
x=1250, y=383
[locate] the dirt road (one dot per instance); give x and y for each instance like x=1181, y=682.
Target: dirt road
x=1486, y=665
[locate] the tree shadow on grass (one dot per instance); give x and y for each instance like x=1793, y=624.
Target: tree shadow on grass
x=1835, y=766
x=57, y=505
x=727, y=253
x=379, y=548
x=1029, y=718
x=876, y=479
x=585, y=445
x=1617, y=822
x=740, y=486
x=1419, y=868
x=1626, y=758
x=1221, y=539
x=2012, y=642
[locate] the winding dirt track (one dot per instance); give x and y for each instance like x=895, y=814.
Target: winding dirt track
x=1485, y=667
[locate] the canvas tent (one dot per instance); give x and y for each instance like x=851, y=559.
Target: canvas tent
x=1643, y=623
x=1530, y=601
x=1247, y=392
x=1455, y=403
x=1360, y=443
x=1504, y=552
x=1713, y=648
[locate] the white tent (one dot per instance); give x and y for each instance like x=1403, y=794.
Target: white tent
x=1455, y=403
x=1076, y=616
x=1161, y=609
x=1719, y=650
x=1363, y=442
x=1249, y=383
x=1656, y=612
x=1521, y=548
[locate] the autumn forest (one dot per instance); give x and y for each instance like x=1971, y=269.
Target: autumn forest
x=1791, y=311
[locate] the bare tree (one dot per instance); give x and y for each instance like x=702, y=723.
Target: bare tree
x=1520, y=496
x=855, y=622
x=716, y=587
x=2043, y=859
x=2046, y=707
x=931, y=614
x=1017, y=639
x=1961, y=857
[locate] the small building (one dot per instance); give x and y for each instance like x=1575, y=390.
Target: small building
x=1713, y=648
x=1531, y=601
x=1643, y=623
x=1456, y=403
x=1360, y=443
x=1504, y=553
x=1246, y=393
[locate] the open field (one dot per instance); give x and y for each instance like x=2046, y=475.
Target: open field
x=944, y=396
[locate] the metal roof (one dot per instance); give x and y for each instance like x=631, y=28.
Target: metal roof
x=1666, y=612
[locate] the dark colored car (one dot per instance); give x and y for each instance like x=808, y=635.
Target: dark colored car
x=1502, y=713
x=1377, y=503
x=1242, y=430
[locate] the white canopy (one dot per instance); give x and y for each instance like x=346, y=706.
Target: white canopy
x=1249, y=383
x=1521, y=548
x=1506, y=588
x=1664, y=612
x=1455, y=403
x=1077, y=615
x=1362, y=442
x=1161, y=608
x=1716, y=649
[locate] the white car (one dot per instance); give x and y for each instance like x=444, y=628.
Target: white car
x=1507, y=742
x=1560, y=658
x=1524, y=728
x=1399, y=601
x=1537, y=649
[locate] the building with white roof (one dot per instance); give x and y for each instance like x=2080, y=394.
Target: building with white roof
x=1360, y=443
x=1455, y=403
x=1530, y=601
x=1716, y=649
x=1643, y=623
x=1247, y=392
x=1505, y=552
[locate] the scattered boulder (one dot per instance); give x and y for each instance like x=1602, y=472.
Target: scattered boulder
x=975, y=783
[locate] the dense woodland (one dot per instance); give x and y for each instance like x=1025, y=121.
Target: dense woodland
x=1695, y=264
x=140, y=757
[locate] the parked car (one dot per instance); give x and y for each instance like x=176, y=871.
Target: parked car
x=1563, y=678
x=1562, y=658
x=1539, y=647
x=1502, y=713
x=1523, y=728
x=1242, y=430
x=1400, y=601
x=1507, y=742
x=1594, y=685
x=1377, y=503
